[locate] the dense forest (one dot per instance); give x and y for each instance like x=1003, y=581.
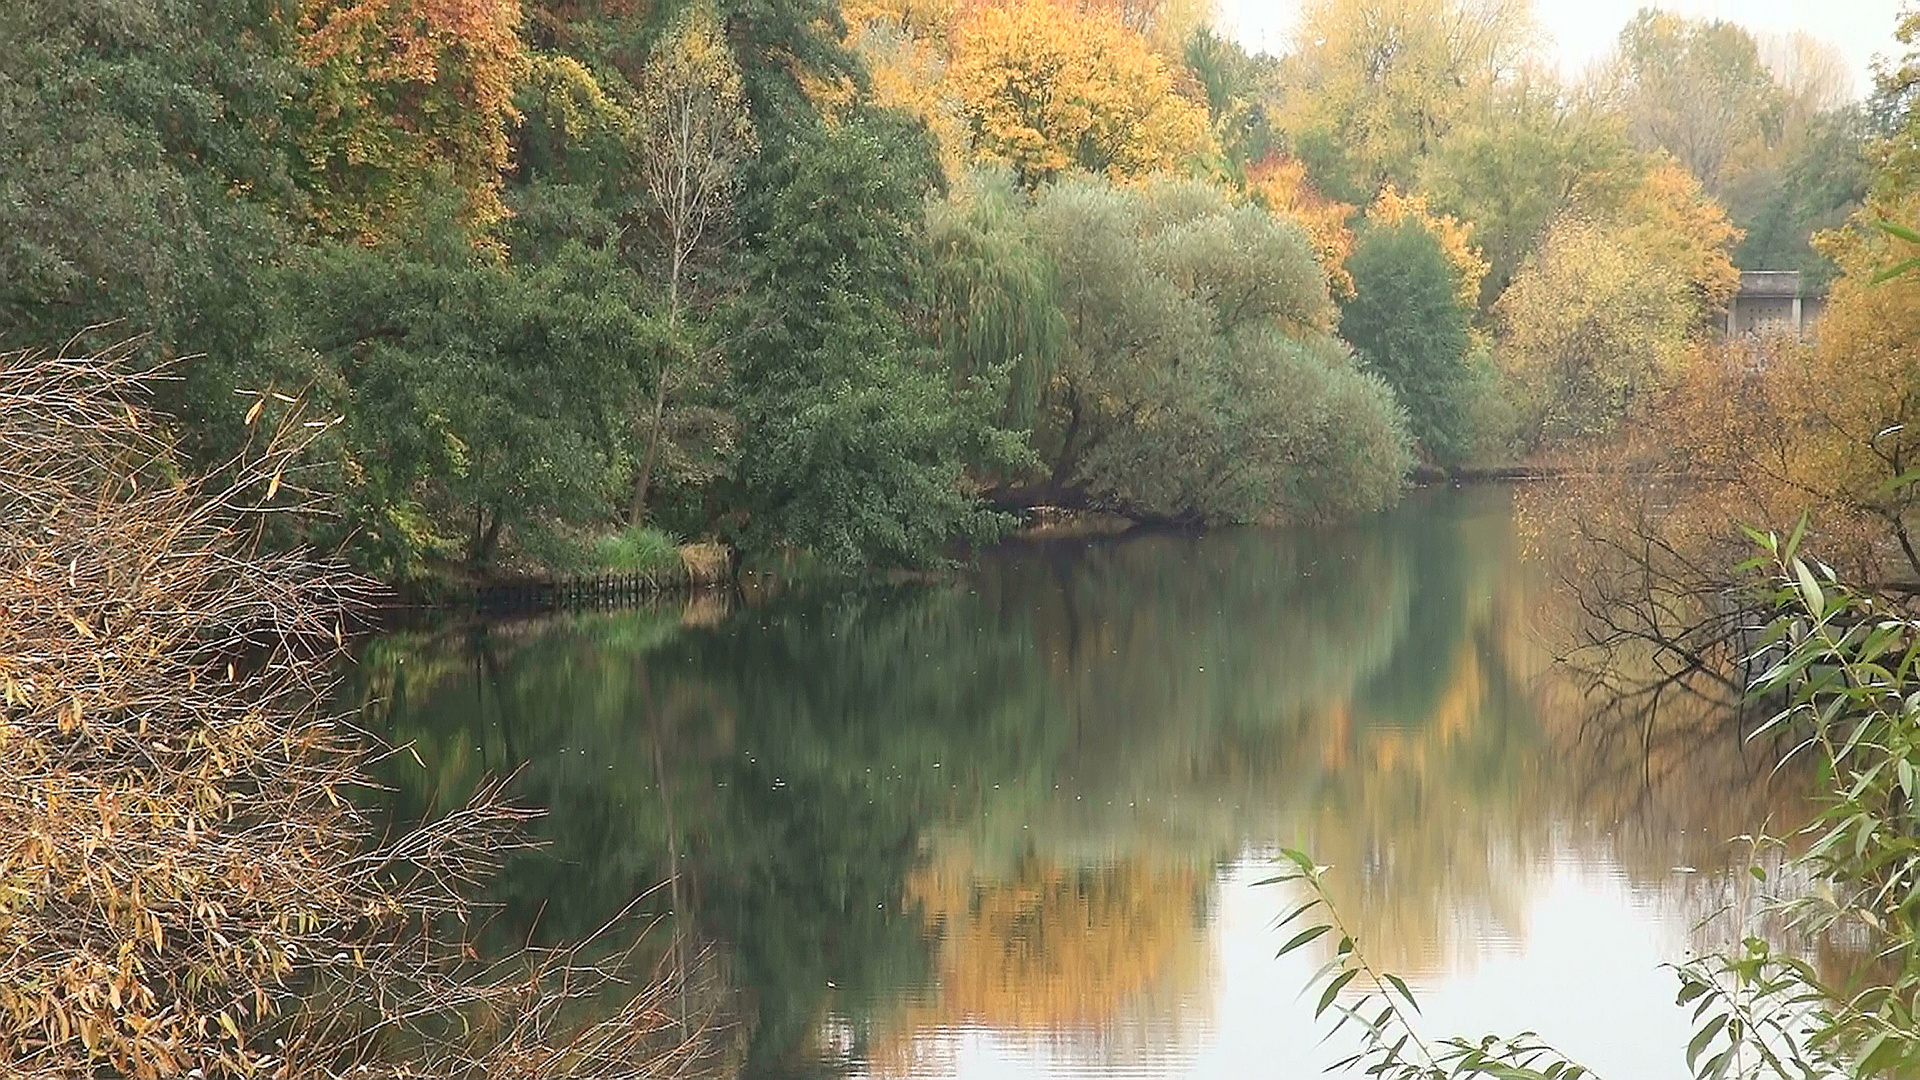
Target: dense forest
x=548, y=279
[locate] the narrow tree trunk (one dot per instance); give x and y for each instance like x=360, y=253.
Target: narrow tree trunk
x=637, y=509
x=1063, y=465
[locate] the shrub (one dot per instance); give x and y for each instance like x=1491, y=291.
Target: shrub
x=186, y=885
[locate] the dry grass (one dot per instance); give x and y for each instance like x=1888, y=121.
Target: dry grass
x=186, y=880
x=706, y=564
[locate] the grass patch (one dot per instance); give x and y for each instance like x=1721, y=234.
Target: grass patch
x=639, y=549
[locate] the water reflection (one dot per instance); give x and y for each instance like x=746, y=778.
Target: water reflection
x=1010, y=825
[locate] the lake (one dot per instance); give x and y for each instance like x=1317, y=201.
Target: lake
x=1013, y=824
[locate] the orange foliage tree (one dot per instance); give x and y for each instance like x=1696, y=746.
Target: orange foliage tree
x=1280, y=183
x=908, y=47
x=408, y=97
x=1045, y=90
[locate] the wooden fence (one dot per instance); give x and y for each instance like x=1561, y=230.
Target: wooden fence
x=536, y=595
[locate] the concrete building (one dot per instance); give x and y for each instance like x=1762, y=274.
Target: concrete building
x=1772, y=301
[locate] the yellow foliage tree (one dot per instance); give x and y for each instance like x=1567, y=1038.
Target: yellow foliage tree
x=1670, y=216
x=1831, y=426
x=1590, y=325
x=1166, y=24
x=908, y=49
x=1378, y=83
x=1046, y=90
x=407, y=97
x=1609, y=310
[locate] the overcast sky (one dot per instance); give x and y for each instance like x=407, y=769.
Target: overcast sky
x=1582, y=30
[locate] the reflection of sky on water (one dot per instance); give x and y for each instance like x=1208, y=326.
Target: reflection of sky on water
x=1584, y=972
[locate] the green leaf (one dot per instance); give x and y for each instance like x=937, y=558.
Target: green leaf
x=1898, y=231
x=1301, y=938
x=1333, y=990
x=1809, y=588
x=1704, y=1037
x=1400, y=985
x=1297, y=912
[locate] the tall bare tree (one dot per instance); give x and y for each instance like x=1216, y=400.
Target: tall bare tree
x=695, y=132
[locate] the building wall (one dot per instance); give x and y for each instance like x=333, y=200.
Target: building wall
x=1764, y=314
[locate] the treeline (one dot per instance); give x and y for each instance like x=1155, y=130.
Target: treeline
x=849, y=282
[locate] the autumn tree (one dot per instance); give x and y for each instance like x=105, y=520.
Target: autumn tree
x=1045, y=90
x=1603, y=314
x=1694, y=88
x=907, y=46
x=1670, y=218
x=1374, y=86
x=694, y=133
x=1395, y=208
x=1589, y=325
x=1280, y=184
x=406, y=98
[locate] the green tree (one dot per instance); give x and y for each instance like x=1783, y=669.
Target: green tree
x=1410, y=327
x=145, y=188
x=1197, y=382
x=859, y=441
x=477, y=396
x=1815, y=185
x=991, y=303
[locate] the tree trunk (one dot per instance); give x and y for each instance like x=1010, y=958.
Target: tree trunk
x=1063, y=465
x=637, y=509
x=484, y=542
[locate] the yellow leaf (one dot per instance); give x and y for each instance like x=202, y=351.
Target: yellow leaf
x=254, y=413
x=273, y=486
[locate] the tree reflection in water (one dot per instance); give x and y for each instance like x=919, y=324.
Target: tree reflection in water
x=1006, y=801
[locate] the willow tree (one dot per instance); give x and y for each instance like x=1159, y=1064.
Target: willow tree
x=991, y=293
x=695, y=133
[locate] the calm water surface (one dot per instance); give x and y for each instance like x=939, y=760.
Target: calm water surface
x=1012, y=825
